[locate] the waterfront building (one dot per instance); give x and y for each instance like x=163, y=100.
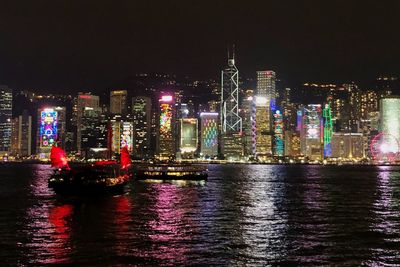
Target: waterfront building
x=389, y=110
x=118, y=102
x=292, y=143
x=263, y=134
x=141, y=114
x=5, y=119
x=328, y=130
x=278, y=134
x=166, y=128
x=231, y=122
x=84, y=100
x=311, y=132
x=22, y=135
x=188, y=137
x=248, y=114
x=93, y=132
x=120, y=134
x=209, y=134
x=51, y=129
x=347, y=146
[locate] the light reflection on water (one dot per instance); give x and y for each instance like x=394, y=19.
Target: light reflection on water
x=243, y=215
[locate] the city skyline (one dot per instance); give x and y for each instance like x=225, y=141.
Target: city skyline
x=98, y=45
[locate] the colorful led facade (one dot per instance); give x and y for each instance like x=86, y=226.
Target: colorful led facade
x=209, y=134
x=48, y=128
x=127, y=135
x=328, y=130
x=165, y=144
x=278, y=134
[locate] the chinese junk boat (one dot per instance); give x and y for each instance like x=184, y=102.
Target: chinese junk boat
x=175, y=171
x=101, y=176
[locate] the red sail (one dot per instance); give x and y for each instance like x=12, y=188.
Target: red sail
x=125, y=158
x=58, y=158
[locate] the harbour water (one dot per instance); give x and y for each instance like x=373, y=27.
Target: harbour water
x=243, y=215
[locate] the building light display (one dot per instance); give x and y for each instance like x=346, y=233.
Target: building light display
x=312, y=122
x=328, y=130
x=278, y=134
x=165, y=120
x=312, y=132
x=209, y=133
x=126, y=136
x=48, y=127
x=188, y=135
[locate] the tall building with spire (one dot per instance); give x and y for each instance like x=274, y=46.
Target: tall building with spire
x=231, y=122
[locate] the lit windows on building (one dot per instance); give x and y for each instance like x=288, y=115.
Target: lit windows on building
x=188, y=137
x=5, y=118
x=166, y=138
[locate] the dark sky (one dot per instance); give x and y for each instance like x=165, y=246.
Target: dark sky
x=84, y=45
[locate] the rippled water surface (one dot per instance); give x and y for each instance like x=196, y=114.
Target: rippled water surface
x=243, y=215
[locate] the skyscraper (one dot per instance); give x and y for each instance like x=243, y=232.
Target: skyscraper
x=311, y=132
x=263, y=128
x=389, y=110
x=5, y=118
x=84, y=100
x=266, y=86
x=188, y=137
x=209, y=134
x=118, y=101
x=22, y=135
x=51, y=129
x=166, y=128
x=231, y=122
x=141, y=114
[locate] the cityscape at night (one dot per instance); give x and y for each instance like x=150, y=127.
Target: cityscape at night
x=181, y=133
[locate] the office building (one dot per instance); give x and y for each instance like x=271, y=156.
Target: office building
x=141, y=115
x=5, y=119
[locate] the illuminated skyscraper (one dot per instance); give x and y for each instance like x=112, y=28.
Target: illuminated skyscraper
x=328, y=130
x=263, y=134
x=266, y=86
x=231, y=122
x=311, y=132
x=118, y=102
x=141, y=113
x=120, y=133
x=278, y=134
x=188, y=137
x=209, y=134
x=5, y=119
x=389, y=110
x=84, y=100
x=166, y=128
x=93, y=132
x=51, y=129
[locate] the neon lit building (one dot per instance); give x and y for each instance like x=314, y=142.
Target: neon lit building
x=311, y=132
x=141, y=112
x=389, y=110
x=5, y=119
x=263, y=134
x=121, y=134
x=51, y=129
x=209, y=134
x=347, y=145
x=328, y=130
x=278, y=134
x=188, y=136
x=165, y=137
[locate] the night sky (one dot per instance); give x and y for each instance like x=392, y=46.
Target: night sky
x=85, y=45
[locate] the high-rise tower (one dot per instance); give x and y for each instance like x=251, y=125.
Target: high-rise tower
x=5, y=118
x=231, y=122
